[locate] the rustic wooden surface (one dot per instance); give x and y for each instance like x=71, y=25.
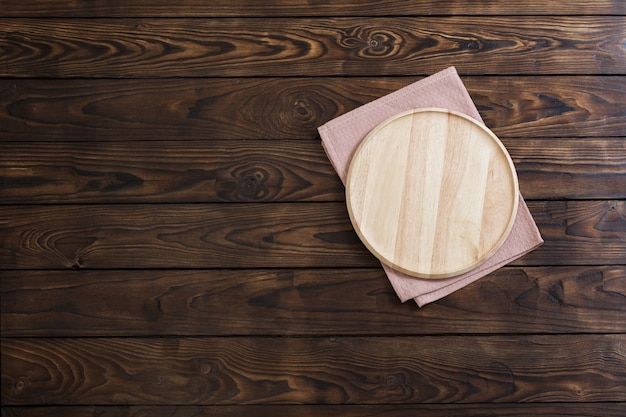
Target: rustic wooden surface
x=174, y=241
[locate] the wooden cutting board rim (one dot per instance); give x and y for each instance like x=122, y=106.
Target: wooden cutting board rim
x=513, y=195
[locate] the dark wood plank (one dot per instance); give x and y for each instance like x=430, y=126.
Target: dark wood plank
x=570, y=168
x=330, y=370
x=285, y=410
x=262, y=236
x=311, y=47
x=305, y=302
x=179, y=236
x=266, y=171
x=168, y=171
x=570, y=227
x=289, y=108
x=195, y=8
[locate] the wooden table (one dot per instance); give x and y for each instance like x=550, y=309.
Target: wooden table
x=174, y=241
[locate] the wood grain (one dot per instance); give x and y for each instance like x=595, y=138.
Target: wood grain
x=286, y=410
x=166, y=171
x=570, y=168
x=227, y=8
x=305, y=302
x=311, y=47
x=261, y=236
x=331, y=370
x=179, y=236
x=266, y=171
x=567, y=225
x=289, y=108
x=432, y=193
x=174, y=241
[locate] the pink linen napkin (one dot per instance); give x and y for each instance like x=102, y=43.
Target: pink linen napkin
x=342, y=135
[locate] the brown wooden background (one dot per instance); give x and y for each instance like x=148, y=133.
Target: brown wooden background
x=174, y=241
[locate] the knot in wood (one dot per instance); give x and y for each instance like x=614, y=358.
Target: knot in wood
x=205, y=368
x=305, y=110
x=372, y=43
x=252, y=183
x=392, y=381
x=302, y=108
x=20, y=385
x=382, y=44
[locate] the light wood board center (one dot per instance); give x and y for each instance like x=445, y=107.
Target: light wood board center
x=432, y=193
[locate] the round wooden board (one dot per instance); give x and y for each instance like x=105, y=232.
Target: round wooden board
x=432, y=193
